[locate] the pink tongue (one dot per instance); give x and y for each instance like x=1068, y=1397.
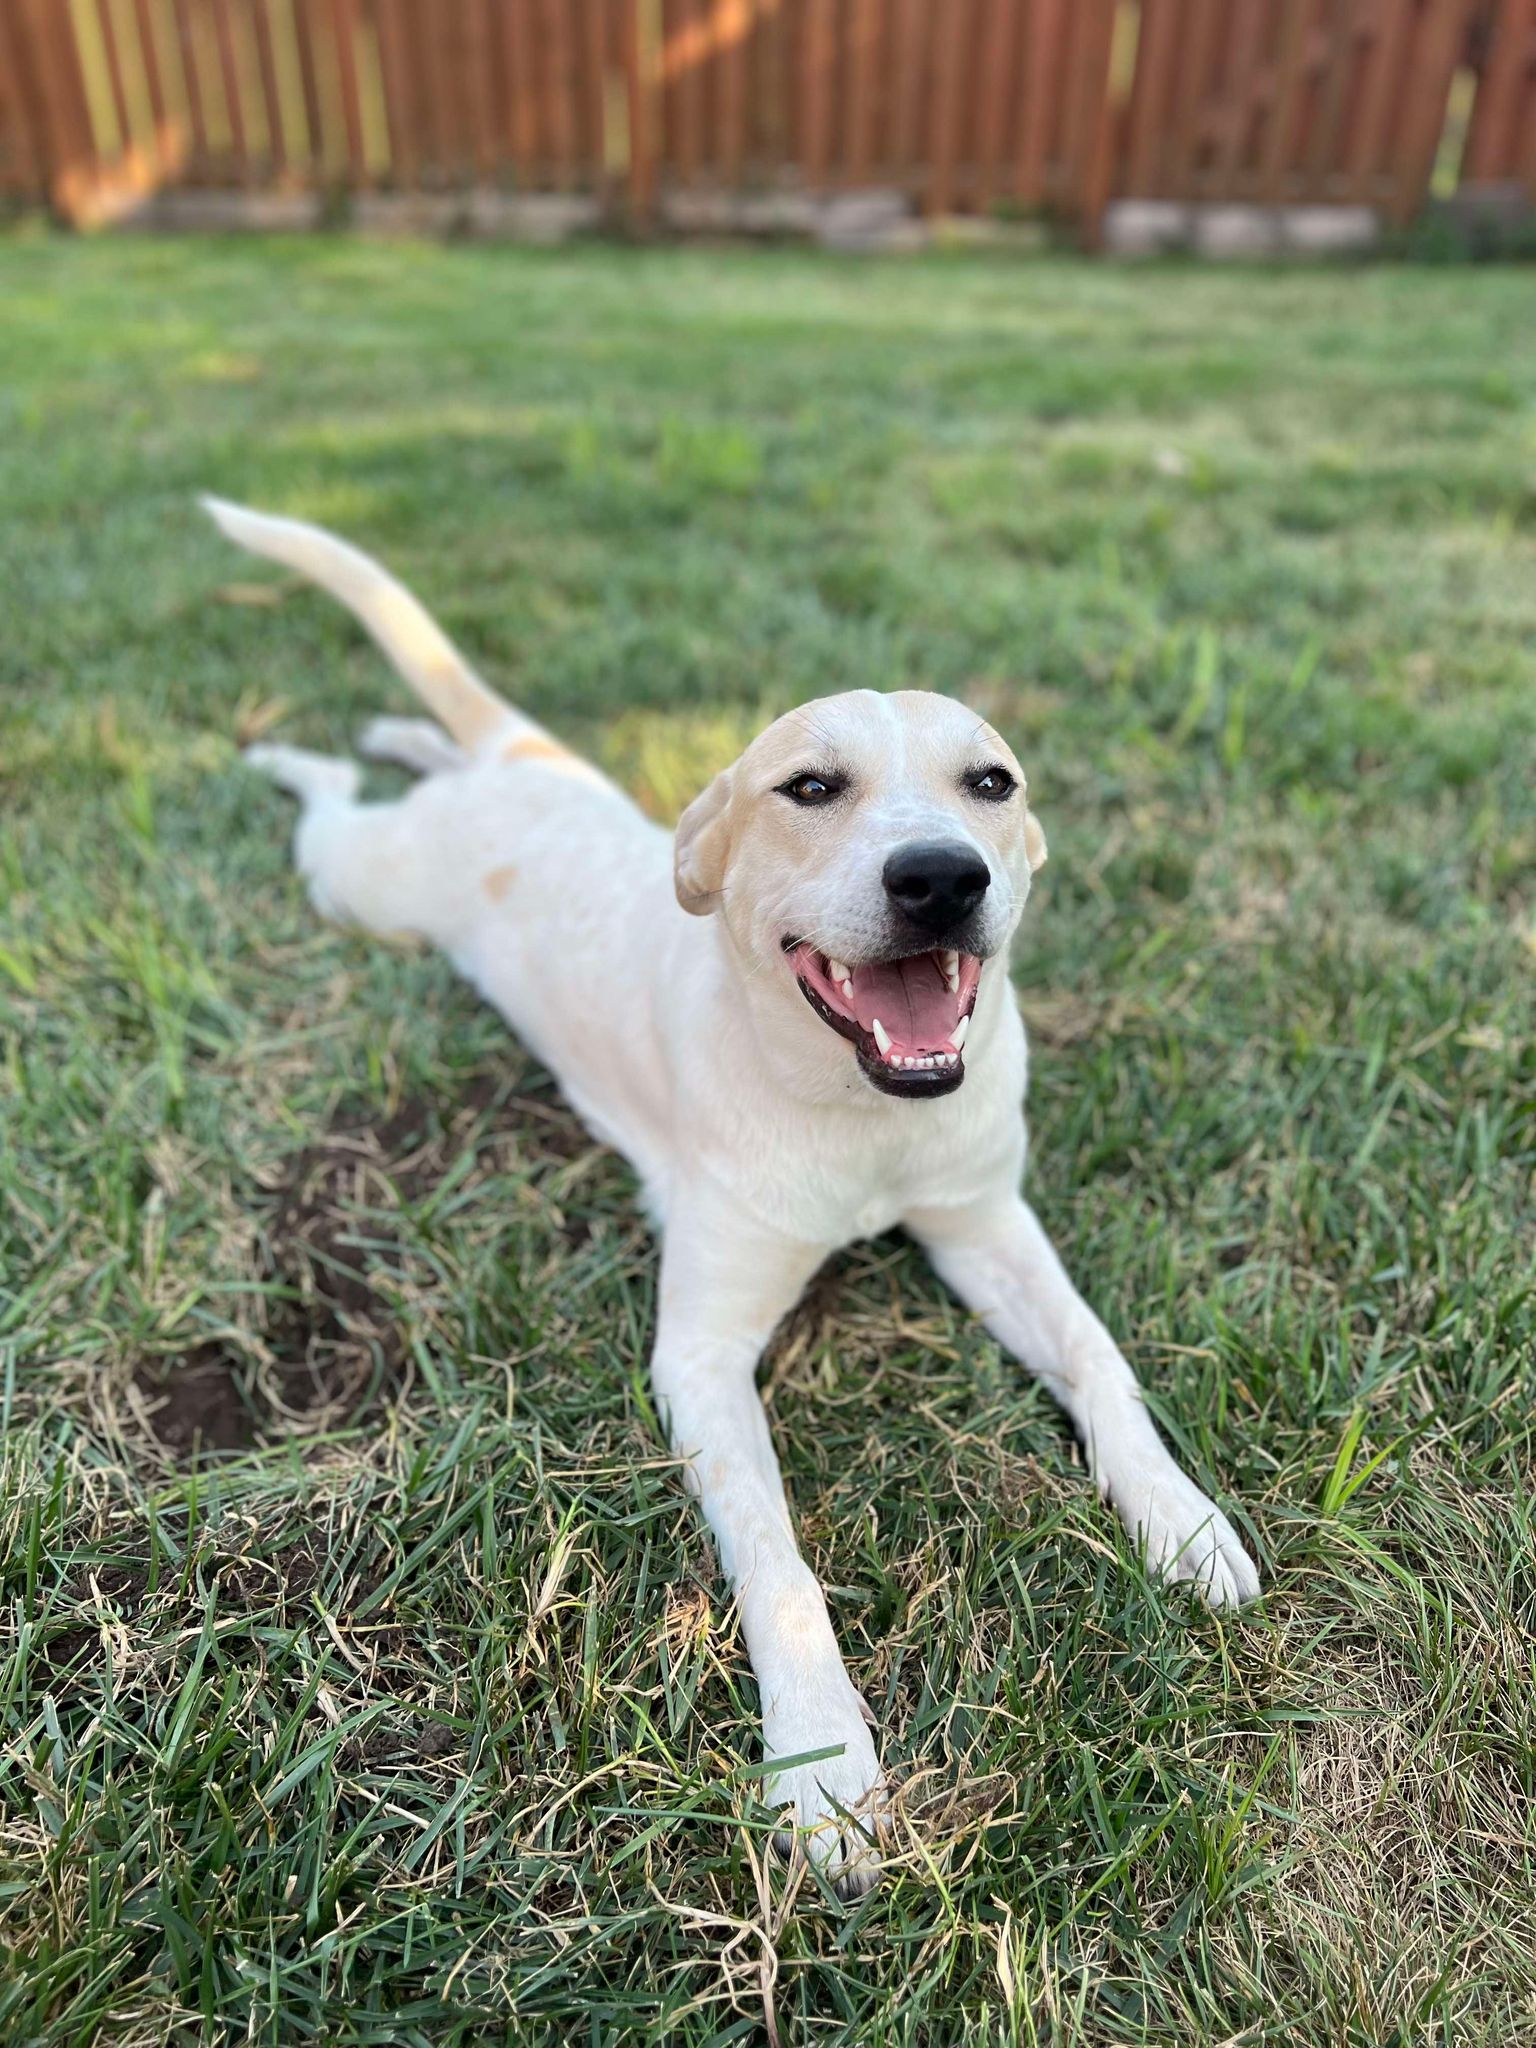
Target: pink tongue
x=912, y=1000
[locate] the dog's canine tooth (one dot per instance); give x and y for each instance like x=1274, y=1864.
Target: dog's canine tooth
x=957, y=1036
x=882, y=1037
x=838, y=971
x=848, y=989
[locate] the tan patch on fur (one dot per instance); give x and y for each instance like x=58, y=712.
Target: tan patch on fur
x=498, y=882
x=534, y=747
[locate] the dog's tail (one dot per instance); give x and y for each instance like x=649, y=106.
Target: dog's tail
x=419, y=648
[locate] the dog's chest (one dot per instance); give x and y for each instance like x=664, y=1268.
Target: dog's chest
x=870, y=1179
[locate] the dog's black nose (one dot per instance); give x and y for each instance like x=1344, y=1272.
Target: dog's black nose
x=936, y=886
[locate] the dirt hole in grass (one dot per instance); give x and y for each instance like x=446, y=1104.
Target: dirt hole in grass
x=333, y=1346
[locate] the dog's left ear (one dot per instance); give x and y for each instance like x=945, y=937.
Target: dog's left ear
x=1034, y=842
x=702, y=848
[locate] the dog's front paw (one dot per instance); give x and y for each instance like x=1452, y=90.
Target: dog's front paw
x=837, y=1804
x=1187, y=1538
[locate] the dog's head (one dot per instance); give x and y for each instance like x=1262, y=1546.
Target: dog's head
x=876, y=851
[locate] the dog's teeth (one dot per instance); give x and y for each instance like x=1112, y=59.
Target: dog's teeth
x=848, y=989
x=837, y=970
x=882, y=1037
x=957, y=1036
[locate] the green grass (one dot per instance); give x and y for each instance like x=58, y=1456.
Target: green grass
x=364, y=1674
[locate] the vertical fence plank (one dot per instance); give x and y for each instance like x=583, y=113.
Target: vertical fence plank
x=863, y=50
x=399, y=95
x=1290, y=78
x=735, y=19
x=519, y=45
x=640, y=55
x=1200, y=24
x=1382, y=65
x=1089, y=139
x=193, y=86
x=271, y=93
x=1492, y=153
x=483, y=109
x=816, y=48
x=551, y=19
x=19, y=65
x=344, y=36
x=75, y=164
x=909, y=31
x=1325, y=170
x=1247, y=24
x=1041, y=44
x=594, y=79
x=154, y=85
x=684, y=24
x=1442, y=28
x=1147, y=118
x=954, y=22
x=229, y=79
x=309, y=84
x=114, y=62
x=995, y=36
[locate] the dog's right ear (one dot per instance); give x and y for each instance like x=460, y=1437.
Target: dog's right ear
x=702, y=848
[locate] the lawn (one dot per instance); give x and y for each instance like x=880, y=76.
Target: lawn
x=364, y=1672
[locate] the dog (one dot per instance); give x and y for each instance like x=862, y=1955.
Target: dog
x=794, y=1018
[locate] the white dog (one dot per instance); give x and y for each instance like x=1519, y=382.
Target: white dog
x=795, y=1020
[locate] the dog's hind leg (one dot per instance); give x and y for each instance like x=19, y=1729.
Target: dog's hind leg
x=361, y=861
x=417, y=743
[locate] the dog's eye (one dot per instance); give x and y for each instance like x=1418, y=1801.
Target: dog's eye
x=812, y=789
x=992, y=785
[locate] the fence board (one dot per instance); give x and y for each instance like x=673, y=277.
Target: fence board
x=1382, y=65
x=229, y=81
x=1042, y=48
x=994, y=39
x=736, y=23
x=1504, y=111
x=1291, y=75
x=271, y=94
x=594, y=83
x=1159, y=48
x=116, y=82
x=640, y=64
x=953, y=25
x=25, y=162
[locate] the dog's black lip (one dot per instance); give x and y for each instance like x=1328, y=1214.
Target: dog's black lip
x=915, y=1084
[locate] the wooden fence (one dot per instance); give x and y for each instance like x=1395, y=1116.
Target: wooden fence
x=963, y=105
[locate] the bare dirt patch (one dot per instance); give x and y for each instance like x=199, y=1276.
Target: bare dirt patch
x=333, y=1345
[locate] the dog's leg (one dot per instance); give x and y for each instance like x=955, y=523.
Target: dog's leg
x=418, y=743
x=1001, y=1263
x=724, y=1285
x=363, y=863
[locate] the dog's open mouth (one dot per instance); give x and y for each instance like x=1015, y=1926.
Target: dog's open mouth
x=906, y=1018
